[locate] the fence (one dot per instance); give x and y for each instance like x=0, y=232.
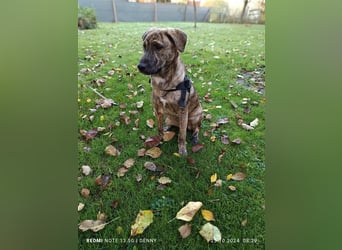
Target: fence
x=144, y=12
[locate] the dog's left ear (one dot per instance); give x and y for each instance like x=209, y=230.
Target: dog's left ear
x=178, y=37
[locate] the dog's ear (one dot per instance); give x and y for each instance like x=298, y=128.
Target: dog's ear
x=178, y=37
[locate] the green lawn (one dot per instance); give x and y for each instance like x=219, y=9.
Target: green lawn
x=216, y=56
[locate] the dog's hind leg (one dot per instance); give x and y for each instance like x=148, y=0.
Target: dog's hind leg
x=183, y=123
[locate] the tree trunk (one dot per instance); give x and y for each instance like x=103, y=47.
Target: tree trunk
x=243, y=11
x=155, y=11
x=114, y=11
x=195, y=14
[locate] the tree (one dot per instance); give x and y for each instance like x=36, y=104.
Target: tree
x=243, y=11
x=195, y=14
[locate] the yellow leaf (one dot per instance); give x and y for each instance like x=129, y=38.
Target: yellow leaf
x=213, y=138
x=229, y=176
x=207, y=215
x=187, y=212
x=176, y=154
x=102, y=118
x=143, y=220
x=213, y=178
x=210, y=233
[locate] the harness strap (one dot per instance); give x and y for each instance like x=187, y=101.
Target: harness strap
x=183, y=86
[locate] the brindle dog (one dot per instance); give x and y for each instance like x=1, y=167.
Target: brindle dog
x=173, y=94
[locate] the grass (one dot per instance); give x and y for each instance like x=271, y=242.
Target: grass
x=215, y=55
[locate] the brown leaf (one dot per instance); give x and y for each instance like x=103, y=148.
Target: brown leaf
x=129, y=163
x=153, y=152
x=141, y=152
x=221, y=156
x=190, y=160
x=161, y=186
x=244, y=222
x=152, y=141
x=232, y=188
x=111, y=150
x=150, y=123
x=85, y=192
x=92, y=225
x=208, y=117
x=197, y=148
x=121, y=172
x=247, y=127
x=103, y=180
x=225, y=139
x=185, y=230
x=218, y=183
x=150, y=166
x=90, y=134
x=168, y=135
x=122, y=105
x=239, y=176
x=115, y=204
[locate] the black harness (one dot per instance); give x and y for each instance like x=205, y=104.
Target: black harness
x=184, y=86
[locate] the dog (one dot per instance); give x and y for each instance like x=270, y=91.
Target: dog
x=173, y=94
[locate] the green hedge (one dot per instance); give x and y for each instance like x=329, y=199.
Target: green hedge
x=86, y=18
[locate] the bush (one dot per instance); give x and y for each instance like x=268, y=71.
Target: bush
x=86, y=18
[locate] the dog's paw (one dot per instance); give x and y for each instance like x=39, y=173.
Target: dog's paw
x=182, y=151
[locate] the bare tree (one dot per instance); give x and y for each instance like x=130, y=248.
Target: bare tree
x=114, y=11
x=155, y=11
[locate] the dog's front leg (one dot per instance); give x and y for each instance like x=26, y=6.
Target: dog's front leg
x=158, y=113
x=183, y=124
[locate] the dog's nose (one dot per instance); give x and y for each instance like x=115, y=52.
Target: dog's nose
x=142, y=66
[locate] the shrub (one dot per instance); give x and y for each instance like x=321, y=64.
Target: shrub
x=86, y=18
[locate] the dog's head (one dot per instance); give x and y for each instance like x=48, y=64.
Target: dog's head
x=161, y=48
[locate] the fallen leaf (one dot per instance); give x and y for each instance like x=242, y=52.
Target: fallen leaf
x=234, y=105
x=254, y=123
x=225, y=139
x=139, y=178
x=80, y=206
x=221, y=156
x=168, y=135
x=150, y=166
x=247, y=127
x=190, y=160
x=141, y=152
x=140, y=105
x=143, y=220
x=93, y=225
x=129, y=163
x=154, y=152
x=188, y=212
x=210, y=233
x=85, y=192
x=207, y=215
x=229, y=176
x=222, y=121
x=121, y=172
x=161, y=187
x=213, y=138
x=150, y=123
x=115, y=204
x=111, y=150
x=185, y=230
x=90, y=134
x=213, y=178
x=244, y=222
x=232, y=188
x=164, y=180
x=152, y=141
x=102, y=216
x=218, y=183
x=86, y=170
x=239, y=176
x=237, y=141
x=176, y=154
x=197, y=148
